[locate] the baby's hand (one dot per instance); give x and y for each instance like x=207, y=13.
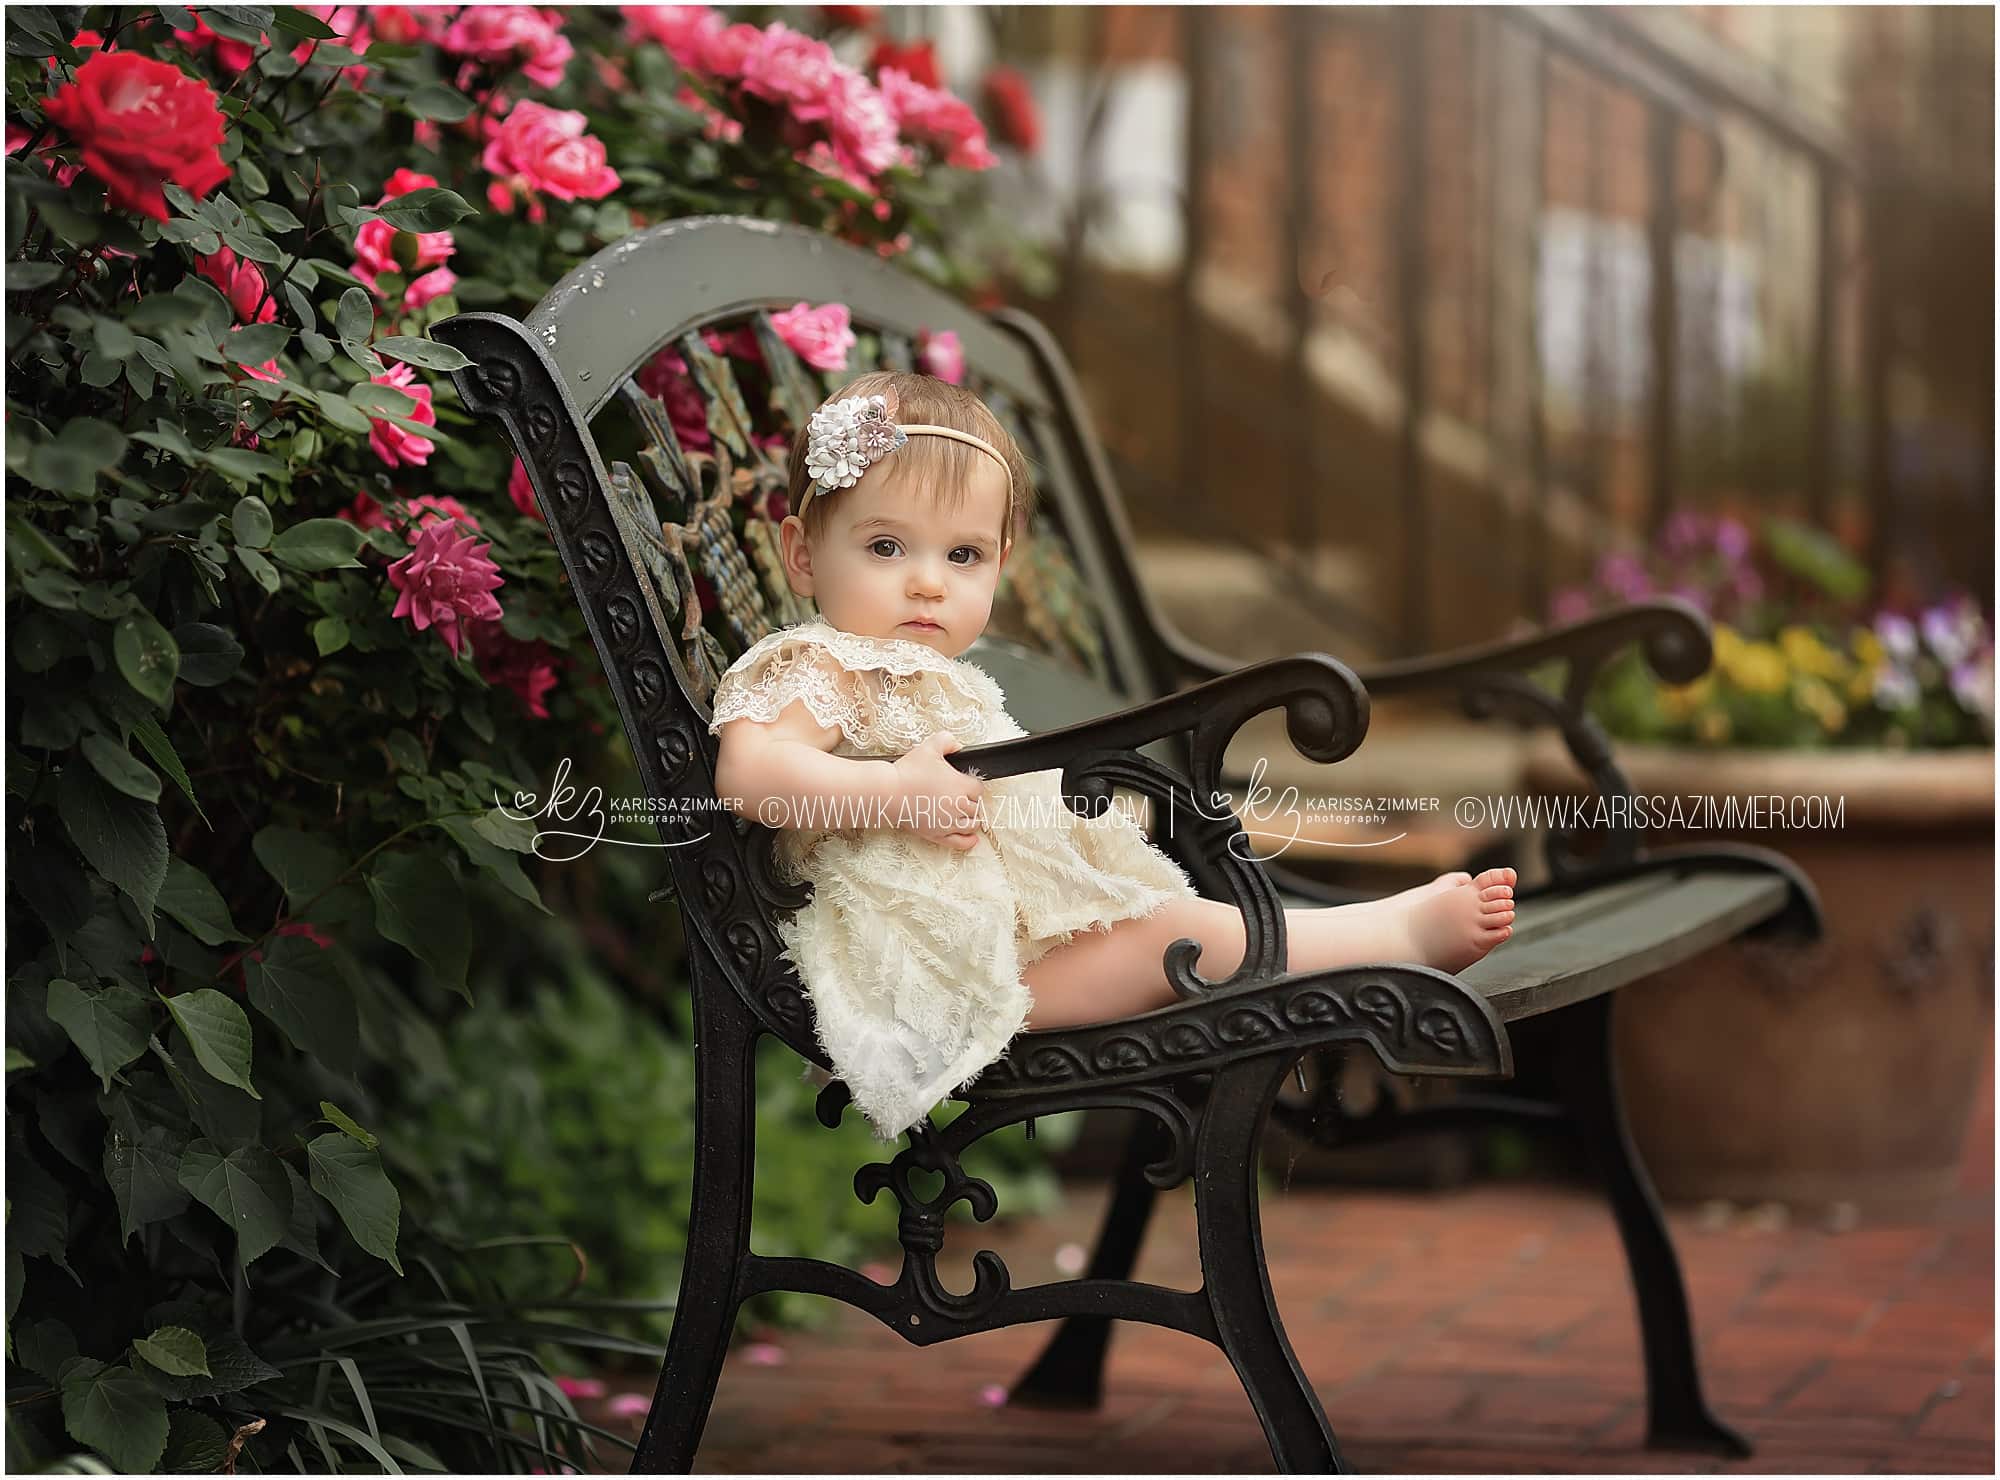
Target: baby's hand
x=940, y=802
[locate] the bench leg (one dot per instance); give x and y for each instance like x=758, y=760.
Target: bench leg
x=1678, y=1417
x=725, y=1128
x=1233, y=1274
x=1070, y=1371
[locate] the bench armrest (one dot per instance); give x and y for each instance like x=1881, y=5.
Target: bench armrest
x=1493, y=680
x=1326, y=718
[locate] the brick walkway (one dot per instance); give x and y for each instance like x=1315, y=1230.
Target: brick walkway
x=1484, y=1330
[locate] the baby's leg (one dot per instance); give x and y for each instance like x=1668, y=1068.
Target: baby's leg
x=1103, y=974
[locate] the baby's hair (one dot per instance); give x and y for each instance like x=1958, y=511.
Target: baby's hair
x=939, y=463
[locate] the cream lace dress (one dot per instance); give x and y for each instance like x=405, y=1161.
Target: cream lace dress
x=912, y=951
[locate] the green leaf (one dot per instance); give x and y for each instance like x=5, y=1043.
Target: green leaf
x=426, y=354
x=296, y=986
x=319, y=544
x=496, y=860
x=348, y=1124
x=329, y=635
x=251, y=522
x=121, y=768
x=275, y=217
x=349, y=1175
x=355, y=318
x=438, y=100
x=44, y=1347
x=247, y=1189
x=218, y=1032
x=261, y=570
x=430, y=209
x=253, y=344
x=25, y=276
x=119, y=836
x=175, y=1350
x=197, y=905
x=147, y=655
x=109, y=1027
x=17, y=1060
x=37, y=1209
x=302, y=1232
x=232, y=1364
x=195, y=1445
x=210, y=655
x=145, y=1176
x=302, y=864
x=302, y=23
x=419, y=906
x=161, y=749
x=115, y=1412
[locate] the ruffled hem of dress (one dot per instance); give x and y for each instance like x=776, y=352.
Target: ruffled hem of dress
x=1147, y=902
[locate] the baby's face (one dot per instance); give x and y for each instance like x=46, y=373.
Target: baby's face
x=890, y=562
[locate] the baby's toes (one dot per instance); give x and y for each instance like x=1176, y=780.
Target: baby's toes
x=1496, y=891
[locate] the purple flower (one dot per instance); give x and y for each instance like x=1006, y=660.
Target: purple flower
x=1694, y=596
x=1732, y=539
x=1899, y=637
x=1683, y=532
x=1623, y=575
x=1972, y=683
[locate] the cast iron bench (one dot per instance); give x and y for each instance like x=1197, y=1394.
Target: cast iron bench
x=1087, y=662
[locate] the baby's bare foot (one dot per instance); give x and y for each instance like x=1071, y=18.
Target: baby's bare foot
x=1455, y=925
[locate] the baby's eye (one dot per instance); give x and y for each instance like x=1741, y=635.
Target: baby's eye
x=970, y=551
x=876, y=547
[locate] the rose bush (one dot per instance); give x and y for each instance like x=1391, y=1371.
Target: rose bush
x=283, y=626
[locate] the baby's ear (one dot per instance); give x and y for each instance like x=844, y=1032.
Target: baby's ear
x=797, y=555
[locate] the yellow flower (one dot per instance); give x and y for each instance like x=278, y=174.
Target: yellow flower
x=1681, y=700
x=1820, y=701
x=1809, y=655
x=1760, y=668
x=1712, y=727
x=1867, y=647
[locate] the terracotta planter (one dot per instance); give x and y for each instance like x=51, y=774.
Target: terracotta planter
x=1844, y=1071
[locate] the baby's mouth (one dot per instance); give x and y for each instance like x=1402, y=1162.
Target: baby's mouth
x=923, y=624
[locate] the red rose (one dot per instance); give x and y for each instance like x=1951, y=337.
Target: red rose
x=859, y=17
x=142, y=123
x=1012, y=105
x=918, y=59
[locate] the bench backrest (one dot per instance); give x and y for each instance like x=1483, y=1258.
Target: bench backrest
x=665, y=515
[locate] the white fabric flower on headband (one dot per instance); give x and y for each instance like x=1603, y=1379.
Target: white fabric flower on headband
x=845, y=437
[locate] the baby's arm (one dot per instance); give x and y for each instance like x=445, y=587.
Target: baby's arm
x=783, y=773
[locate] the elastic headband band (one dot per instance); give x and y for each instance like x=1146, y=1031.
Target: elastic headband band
x=846, y=438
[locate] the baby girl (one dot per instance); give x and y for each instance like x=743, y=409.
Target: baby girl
x=950, y=913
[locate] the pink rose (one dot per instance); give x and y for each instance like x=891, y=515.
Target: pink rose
x=446, y=580
x=405, y=25
x=365, y=513
x=505, y=33
x=528, y=671
x=858, y=118
x=241, y=283
x=539, y=149
x=392, y=443
x=715, y=124
x=941, y=355
x=665, y=378
x=231, y=55
x=684, y=30
x=935, y=118
x=821, y=336
x=724, y=53
x=787, y=67
x=522, y=492
x=584, y=1387
x=435, y=508
x=375, y=242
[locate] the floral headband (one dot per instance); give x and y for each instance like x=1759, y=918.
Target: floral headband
x=845, y=438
